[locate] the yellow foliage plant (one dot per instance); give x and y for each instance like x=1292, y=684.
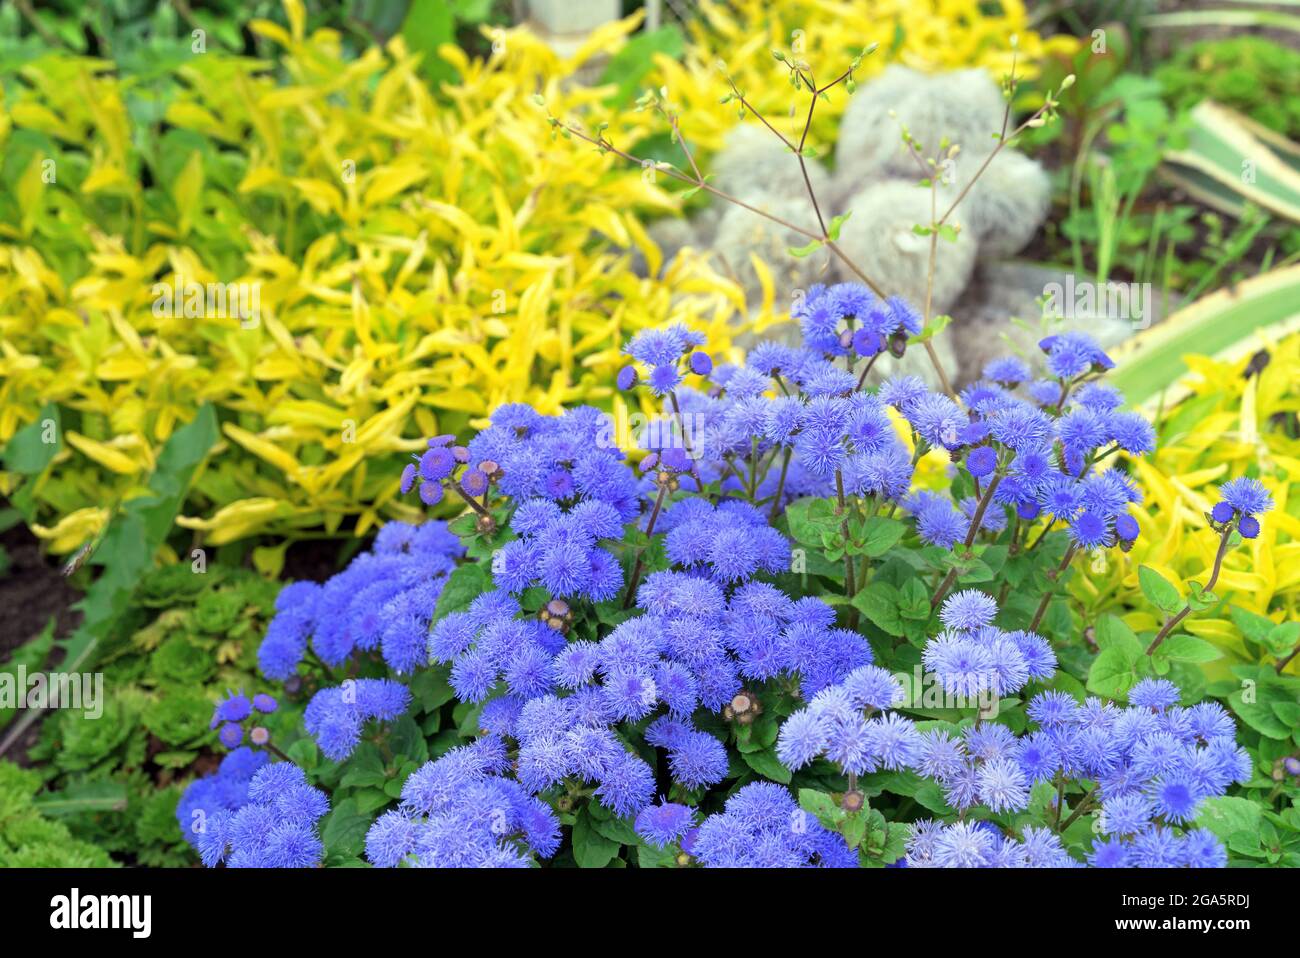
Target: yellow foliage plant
x=413, y=257
x=1239, y=419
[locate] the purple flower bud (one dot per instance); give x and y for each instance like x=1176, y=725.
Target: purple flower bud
x=626, y=377
x=408, y=478
x=1291, y=764
x=264, y=703
x=867, y=342
x=431, y=493
x=1248, y=527
x=675, y=458
x=1126, y=527
x=701, y=364
x=461, y=453
x=1222, y=512
x=1028, y=510
x=981, y=461
x=474, y=482
x=231, y=735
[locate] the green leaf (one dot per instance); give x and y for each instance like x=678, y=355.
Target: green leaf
x=1254, y=627
x=914, y=601
x=463, y=586
x=428, y=25
x=27, y=452
x=833, y=231
x=1113, y=633
x=1187, y=648
x=768, y=765
x=1159, y=590
x=879, y=602
x=1112, y=674
x=304, y=753
x=878, y=535
x=821, y=806
x=344, y=830
x=802, y=251
x=933, y=328
x=811, y=520
x=1228, y=815
x=1282, y=638
x=591, y=849
x=629, y=66
x=93, y=796
x=364, y=768
x=431, y=689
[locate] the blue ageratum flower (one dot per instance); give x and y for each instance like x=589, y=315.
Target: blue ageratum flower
x=661, y=825
x=336, y=716
x=254, y=814
x=461, y=812
x=762, y=827
x=382, y=601
x=849, y=725
x=932, y=844
x=1243, y=499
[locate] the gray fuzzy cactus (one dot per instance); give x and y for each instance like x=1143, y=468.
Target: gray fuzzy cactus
x=876, y=179
x=1010, y=200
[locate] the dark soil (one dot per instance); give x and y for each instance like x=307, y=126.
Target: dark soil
x=315, y=560
x=32, y=590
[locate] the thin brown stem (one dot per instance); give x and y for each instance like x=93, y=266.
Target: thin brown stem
x=1085, y=803
x=850, y=589
x=780, y=485
x=640, y=556
x=1047, y=596
x=1209, y=587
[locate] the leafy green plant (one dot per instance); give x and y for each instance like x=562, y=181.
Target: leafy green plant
x=165, y=665
x=31, y=839
x=1250, y=74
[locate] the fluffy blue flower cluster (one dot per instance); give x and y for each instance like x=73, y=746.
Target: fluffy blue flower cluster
x=731, y=543
x=819, y=420
x=662, y=351
x=762, y=827
x=841, y=724
x=571, y=738
x=460, y=812
x=234, y=710
x=1043, y=452
x=254, y=814
x=559, y=550
x=1243, y=500
x=849, y=317
x=565, y=459
x=335, y=716
x=383, y=600
x=487, y=643
x=973, y=658
x=932, y=844
x=1153, y=762
x=701, y=635
x=661, y=825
